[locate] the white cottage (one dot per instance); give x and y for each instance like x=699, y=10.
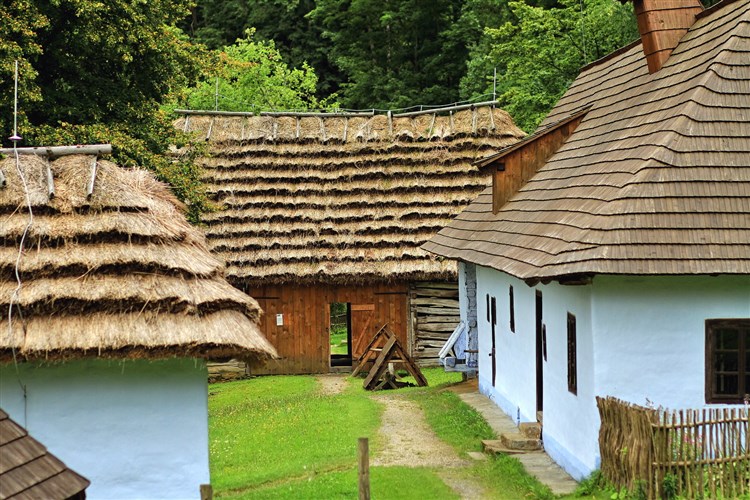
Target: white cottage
x=611, y=256
x=110, y=305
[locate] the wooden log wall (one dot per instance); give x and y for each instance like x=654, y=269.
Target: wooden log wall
x=303, y=339
x=435, y=314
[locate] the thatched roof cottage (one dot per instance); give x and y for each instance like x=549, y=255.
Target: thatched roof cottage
x=318, y=209
x=111, y=303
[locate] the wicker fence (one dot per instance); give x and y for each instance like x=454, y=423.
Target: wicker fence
x=685, y=453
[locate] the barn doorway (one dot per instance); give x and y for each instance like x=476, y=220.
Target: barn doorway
x=340, y=334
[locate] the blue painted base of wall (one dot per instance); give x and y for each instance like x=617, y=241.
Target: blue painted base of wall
x=566, y=460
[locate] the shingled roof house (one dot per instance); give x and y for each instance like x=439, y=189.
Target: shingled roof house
x=317, y=209
x=110, y=303
x=28, y=470
x=612, y=253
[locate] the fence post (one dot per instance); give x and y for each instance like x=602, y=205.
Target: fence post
x=364, y=469
x=207, y=492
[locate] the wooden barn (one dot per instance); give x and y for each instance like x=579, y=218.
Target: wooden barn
x=110, y=305
x=322, y=212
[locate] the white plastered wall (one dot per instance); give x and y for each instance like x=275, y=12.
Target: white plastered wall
x=638, y=338
x=135, y=429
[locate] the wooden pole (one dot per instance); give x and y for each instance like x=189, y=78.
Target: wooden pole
x=364, y=469
x=93, y=149
x=207, y=492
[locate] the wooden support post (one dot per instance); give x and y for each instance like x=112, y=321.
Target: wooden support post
x=364, y=469
x=92, y=179
x=207, y=492
x=50, y=182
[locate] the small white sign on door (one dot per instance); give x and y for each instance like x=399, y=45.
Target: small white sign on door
x=279, y=320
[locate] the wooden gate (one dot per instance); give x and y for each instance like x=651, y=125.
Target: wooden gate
x=363, y=316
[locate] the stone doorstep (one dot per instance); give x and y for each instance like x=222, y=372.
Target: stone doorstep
x=517, y=441
x=495, y=446
x=531, y=430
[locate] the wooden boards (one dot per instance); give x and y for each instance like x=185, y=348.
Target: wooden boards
x=383, y=350
x=435, y=314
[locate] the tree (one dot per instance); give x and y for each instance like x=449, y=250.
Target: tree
x=218, y=23
x=99, y=71
x=394, y=53
x=539, y=52
x=251, y=76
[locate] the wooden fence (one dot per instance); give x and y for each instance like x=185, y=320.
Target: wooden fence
x=686, y=453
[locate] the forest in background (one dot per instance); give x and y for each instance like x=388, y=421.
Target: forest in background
x=93, y=71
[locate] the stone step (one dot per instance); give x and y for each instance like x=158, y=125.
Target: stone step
x=531, y=430
x=517, y=441
x=495, y=446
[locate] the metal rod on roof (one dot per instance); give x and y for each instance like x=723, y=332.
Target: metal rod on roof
x=302, y=114
x=89, y=149
x=50, y=181
x=209, y=112
x=494, y=86
x=92, y=178
x=216, y=95
x=459, y=107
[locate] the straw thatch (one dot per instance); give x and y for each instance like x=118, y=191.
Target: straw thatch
x=339, y=199
x=655, y=179
x=119, y=273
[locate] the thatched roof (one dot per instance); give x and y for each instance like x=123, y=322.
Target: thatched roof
x=28, y=470
x=341, y=199
x=119, y=273
x=655, y=179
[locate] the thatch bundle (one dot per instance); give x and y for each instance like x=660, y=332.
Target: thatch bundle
x=337, y=199
x=117, y=272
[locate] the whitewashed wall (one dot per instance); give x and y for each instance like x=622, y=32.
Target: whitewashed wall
x=638, y=338
x=650, y=334
x=135, y=429
x=467, y=303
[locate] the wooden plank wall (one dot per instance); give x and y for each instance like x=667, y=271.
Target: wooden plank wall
x=435, y=313
x=303, y=340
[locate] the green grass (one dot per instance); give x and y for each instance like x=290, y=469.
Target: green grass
x=279, y=437
x=272, y=429
x=338, y=340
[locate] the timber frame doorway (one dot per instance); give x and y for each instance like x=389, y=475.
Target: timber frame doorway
x=539, y=354
x=340, y=333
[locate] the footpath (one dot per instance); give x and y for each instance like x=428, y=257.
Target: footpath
x=536, y=463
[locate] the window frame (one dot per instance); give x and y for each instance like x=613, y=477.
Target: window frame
x=743, y=368
x=572, y=355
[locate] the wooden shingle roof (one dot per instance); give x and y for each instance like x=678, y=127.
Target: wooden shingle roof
x=29, y=471
x=655, y=179
x=341, y=200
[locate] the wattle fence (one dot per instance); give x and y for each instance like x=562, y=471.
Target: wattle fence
x=682, y=453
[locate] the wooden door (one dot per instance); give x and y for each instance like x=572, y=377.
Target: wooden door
x=363, y=327
x=539, y=353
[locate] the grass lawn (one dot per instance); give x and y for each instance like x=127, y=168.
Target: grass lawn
x=280, y=437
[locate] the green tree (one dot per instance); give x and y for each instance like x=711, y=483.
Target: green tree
x=538, y=53
x=251, y=76
x=99, y=71
x=218, y=23
x=394, y=53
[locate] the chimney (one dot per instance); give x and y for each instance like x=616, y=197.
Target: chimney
x=662, y=23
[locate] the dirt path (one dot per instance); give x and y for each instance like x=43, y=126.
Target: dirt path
x=331, y=384
x=409, y=441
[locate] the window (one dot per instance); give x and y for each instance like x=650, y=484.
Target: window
x=488, y=308
x=494, y=311
x=572, y=358
x=512, y=310
x=727, y=360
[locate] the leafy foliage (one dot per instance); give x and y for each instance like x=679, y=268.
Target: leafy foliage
x=251, y=76
x=217, y=23
x=394, y=53
x=538, y=52
x=93, y=71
